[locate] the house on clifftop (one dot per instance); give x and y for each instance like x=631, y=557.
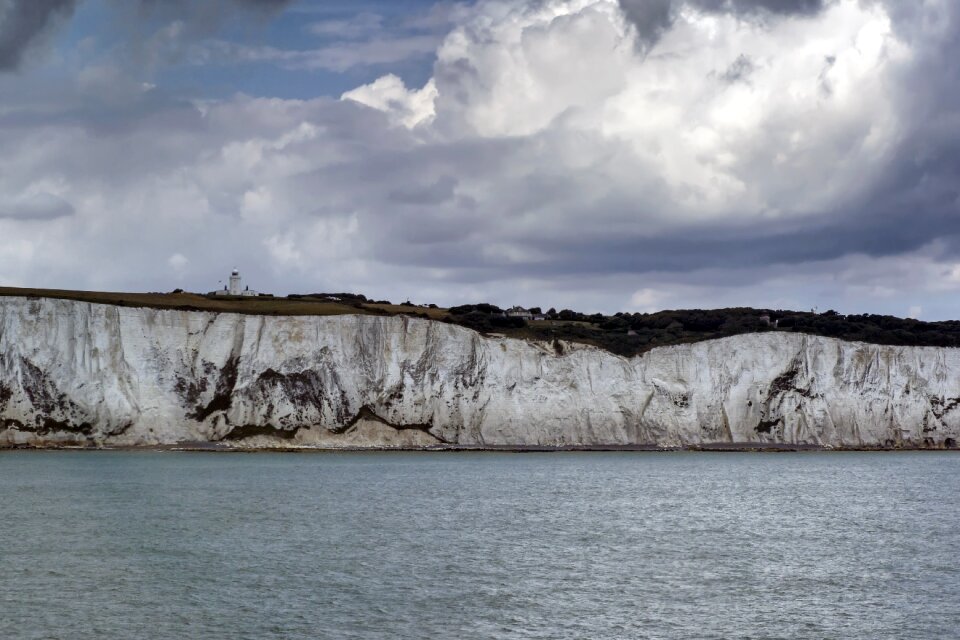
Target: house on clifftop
x=519, y=312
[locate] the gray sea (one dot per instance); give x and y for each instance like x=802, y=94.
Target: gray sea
x=479, y=545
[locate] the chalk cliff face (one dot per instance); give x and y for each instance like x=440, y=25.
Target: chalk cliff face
x=79, y=373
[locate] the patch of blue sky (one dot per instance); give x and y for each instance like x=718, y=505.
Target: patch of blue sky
x=313, y=48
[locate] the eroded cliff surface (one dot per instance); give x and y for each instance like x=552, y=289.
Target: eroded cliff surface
x=80, y=373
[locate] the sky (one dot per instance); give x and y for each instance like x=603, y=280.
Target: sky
x=598, y=155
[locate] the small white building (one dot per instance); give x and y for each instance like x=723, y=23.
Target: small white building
x=519, y=312
x=235, y=288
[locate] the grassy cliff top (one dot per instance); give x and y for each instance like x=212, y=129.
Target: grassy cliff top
x=625, y=334
x=257, y=305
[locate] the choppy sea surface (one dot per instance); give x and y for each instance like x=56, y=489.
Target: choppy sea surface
x=479, y=545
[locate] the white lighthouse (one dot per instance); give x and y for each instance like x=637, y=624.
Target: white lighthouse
x=235, y=288
x=235, y=283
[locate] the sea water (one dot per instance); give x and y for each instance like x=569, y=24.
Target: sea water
x=479, y=545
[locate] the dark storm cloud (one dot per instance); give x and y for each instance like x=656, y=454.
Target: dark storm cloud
x=892, y=222
x=752, y=6
x=915, y=203
x=22, y=22
x=897, y=230
x=652, y=17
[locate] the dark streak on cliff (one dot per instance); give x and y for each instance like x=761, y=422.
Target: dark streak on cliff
x=5, y=394
x=240, y=432
x=766, y=426
x=249, y=430
x=786, y=382
x=190, y=390
x=54, y=411
x=223, y=394
x=942, y=406
x=367, y=413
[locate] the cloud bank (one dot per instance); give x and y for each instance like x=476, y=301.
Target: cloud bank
x=590, y=153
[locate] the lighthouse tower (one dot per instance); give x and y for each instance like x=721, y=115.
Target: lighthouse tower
x=235, y=289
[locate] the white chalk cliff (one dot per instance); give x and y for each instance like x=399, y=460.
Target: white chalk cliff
x=79, y=373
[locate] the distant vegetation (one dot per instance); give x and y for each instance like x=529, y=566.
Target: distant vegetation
x=633, y=333
x=622, y=333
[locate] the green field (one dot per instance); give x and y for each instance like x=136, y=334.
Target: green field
x=261, y=305
x=625, y=334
